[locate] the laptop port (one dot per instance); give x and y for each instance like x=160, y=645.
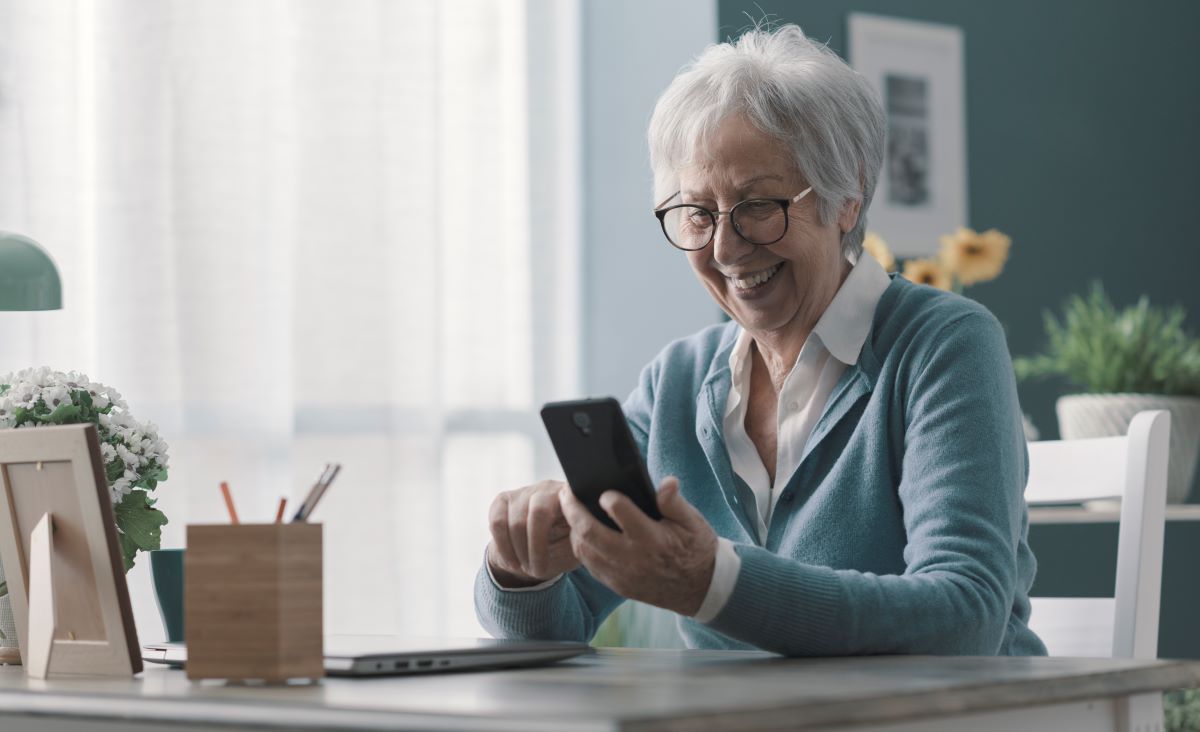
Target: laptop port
x=425, y=663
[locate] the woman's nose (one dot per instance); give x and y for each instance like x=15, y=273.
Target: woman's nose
x=728, y=246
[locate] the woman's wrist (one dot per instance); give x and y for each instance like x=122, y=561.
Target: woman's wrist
x=510, y=580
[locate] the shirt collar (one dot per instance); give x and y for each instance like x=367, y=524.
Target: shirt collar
x=844, y=326
x=846, y=322
x=739, y=357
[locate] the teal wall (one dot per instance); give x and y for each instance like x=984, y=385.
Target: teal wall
x=1083, y=143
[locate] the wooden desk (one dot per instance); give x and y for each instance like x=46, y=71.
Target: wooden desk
x=624, y=689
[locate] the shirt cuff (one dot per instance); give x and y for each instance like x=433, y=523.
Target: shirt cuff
x=726, y=566
x=499, y=586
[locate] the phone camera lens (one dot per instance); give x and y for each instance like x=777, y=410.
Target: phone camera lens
x=583, y=422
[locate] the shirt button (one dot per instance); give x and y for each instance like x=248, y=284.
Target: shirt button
x=795, y=405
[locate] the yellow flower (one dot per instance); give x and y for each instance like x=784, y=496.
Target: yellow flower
x=927, y=272
x=975, y=257
x=874, y=245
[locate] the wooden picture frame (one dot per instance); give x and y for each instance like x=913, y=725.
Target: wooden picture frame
x=58, y=543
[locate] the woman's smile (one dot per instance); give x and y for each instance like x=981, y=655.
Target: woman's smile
x=753, y=285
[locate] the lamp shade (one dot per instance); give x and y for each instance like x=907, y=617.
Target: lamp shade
x=28, y=277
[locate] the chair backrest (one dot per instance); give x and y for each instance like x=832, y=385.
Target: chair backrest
x=1134, y=469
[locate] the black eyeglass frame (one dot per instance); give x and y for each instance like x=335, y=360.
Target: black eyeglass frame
x=660, y=212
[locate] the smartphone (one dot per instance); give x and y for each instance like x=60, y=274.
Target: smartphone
x=597, y=454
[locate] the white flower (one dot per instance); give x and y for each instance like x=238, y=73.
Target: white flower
x=135, y=444
x=56, y=394
x=126, y=456
x=120, y=488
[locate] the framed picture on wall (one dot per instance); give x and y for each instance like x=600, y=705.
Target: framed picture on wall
x=917, y=68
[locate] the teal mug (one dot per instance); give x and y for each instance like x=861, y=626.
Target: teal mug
x=166, y=567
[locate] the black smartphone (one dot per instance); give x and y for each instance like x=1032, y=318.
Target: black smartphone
x=597, y=454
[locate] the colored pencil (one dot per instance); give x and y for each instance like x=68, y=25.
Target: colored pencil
x=233, y=517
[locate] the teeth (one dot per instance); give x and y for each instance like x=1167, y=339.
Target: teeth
x=757, y=279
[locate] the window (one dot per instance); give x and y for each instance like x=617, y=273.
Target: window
x=298, y=232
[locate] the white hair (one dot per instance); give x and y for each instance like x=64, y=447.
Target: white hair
x=791, y=88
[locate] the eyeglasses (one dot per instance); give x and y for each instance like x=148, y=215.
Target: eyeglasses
x=759, y=221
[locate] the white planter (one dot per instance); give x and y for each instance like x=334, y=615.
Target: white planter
x=1108, y=415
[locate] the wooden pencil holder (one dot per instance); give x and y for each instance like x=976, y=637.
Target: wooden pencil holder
x=252, y=602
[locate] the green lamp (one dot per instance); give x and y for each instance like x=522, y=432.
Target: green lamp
x=28, y=278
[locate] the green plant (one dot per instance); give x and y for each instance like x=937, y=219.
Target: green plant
x=135, y=457
x=1142, y=349
x=1181, y=710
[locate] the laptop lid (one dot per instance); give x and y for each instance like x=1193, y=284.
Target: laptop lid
x=357, y=655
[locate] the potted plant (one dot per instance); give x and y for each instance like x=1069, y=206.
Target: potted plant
x=1124, y=361
x=135, y=458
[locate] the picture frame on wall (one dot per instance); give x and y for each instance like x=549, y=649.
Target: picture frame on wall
x=917, y=69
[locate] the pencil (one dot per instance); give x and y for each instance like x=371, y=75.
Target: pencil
x=229, y=502
x=279, y=513
x=337, y=467
x=303, y=511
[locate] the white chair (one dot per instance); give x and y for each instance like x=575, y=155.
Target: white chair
x=1134, y=469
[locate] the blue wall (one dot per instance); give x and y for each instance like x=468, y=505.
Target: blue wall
x=1083, y=143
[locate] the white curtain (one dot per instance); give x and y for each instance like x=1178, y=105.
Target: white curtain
x=300, y=231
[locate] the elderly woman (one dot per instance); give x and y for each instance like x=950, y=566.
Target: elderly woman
x=841, y=466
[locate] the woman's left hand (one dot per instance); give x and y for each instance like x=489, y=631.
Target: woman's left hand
x=668, y=563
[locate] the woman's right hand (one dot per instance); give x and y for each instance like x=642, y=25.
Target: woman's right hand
x=531, y=539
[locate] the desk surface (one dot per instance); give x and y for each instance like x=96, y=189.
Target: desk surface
x=1102, y=513
x=610, y=690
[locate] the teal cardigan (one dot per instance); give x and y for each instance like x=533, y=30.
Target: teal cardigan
x=903, y=530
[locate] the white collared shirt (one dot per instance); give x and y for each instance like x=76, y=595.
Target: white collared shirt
x=834, y=344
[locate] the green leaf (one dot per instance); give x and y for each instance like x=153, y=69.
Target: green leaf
x=114, y=469
x=65, y=413
x=129, y=550
x=140, y=524
x=150, y=476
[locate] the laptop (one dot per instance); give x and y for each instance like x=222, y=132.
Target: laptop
x=373, y=655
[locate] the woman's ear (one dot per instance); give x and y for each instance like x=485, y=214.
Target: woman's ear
x=849, y=215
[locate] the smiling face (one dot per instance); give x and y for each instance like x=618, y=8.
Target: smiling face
x=777, y=290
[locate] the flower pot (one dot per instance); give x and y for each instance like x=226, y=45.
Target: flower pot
x=1082, y=416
